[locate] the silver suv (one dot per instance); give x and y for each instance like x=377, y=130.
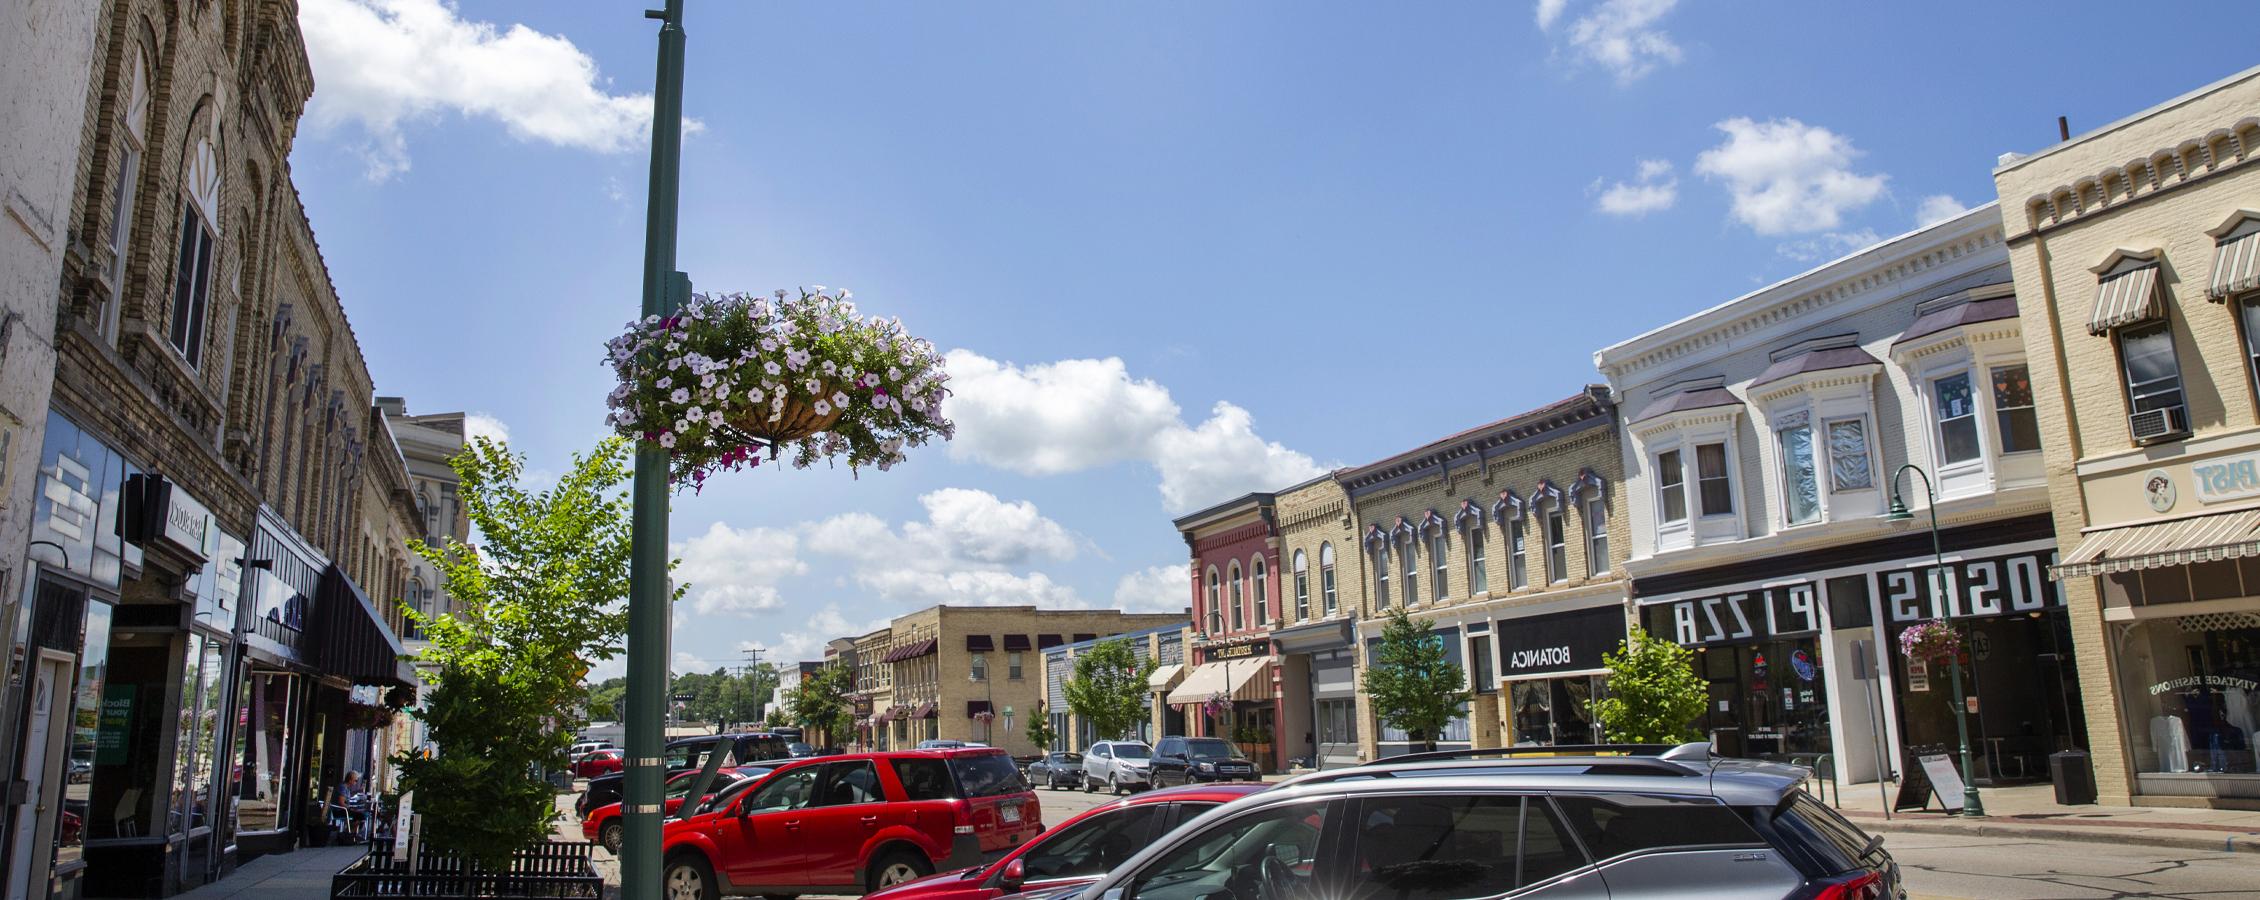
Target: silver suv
x=1603, y=822
x=1118, y=766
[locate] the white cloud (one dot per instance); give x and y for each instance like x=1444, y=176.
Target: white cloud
x=1937, y=208
x=1618, y=35
x=685, y=663
x=1078, y=414
x=736, y=571
x=1155, y=589
x=478, y=425
x=1827, y=246
x=1787, y=177
x=806, y=644
x=1655, y=191
x=975, y=525
x=967, y=550
x=382, y=64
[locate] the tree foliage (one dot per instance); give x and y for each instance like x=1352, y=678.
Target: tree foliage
x=538, y=600
x=1109, y=688
x=1040, y=729
x=1654, y=693
x=726, y=699
x=1412, y=682
x=608, y=699
x=819, y=703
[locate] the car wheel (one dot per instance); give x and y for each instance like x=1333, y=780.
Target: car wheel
x=612, y=835
x=689, y=877
x=1087, y=788
x=895, y=868
x=1113, y=787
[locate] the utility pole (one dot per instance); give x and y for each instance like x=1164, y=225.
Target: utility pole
x=760, y=700
x=649, y=694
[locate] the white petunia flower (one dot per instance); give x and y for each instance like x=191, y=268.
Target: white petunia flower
x=680, y=396
x=714, y=419
x=753, y=396
x=814, y=387
x=667, y=440
x=840, y=399
x=823, y=408
x=772, y=368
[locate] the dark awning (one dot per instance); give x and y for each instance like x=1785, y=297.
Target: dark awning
x=925, y=711
x=979, y=643
x=911, y=651
x=1082, y=636
x=351, y=639
x=1014, y=642
x=1046, y=641
x=975, y=707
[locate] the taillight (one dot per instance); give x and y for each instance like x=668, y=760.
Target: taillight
x=1864, y=886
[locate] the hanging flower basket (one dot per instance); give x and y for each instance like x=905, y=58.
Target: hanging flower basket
x=1216, y=705
x=1930, y=641
x=731, y=375
x=984, y=716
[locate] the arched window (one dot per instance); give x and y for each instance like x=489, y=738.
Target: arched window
x=1470, y=523
x=1438, y=555
x=1327, y=601
x=1381, y=565
x=1215, y=611
x=1263, y=592
x=1409, y=544
x=124, y=183
x=1239, y=614
x=192, y=269
x=1302, y=586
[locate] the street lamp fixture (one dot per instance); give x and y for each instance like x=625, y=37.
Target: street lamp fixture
x=1972, y=806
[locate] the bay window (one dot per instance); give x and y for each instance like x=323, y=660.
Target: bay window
x=1954, y=410
x=1671, y=488
x=1849, y=468
x=2019, y=426
x=1713, y=483
x=1800, y=477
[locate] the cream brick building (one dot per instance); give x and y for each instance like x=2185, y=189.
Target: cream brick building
x=1316, y=635
x=1506, y=540
x=2136, y=249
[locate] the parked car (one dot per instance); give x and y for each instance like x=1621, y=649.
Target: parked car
x=584, y=748
x=604, y=826
x=947, y=744
x=1493, y=822
x=852, y=824
x=1118, y=766
x=1077, y=851
x=1185, y=760
x=1056, y=768
x=599, y=762
x=799, y=750
x=689, y=753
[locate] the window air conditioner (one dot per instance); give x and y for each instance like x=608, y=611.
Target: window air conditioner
x=2152, y=426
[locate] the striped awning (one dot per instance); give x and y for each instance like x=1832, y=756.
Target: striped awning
x=2124, y=299
x=2220, y=536
x=2236, y=263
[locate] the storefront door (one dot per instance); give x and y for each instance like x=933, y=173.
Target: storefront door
x=1551, y=711
x=42, y=773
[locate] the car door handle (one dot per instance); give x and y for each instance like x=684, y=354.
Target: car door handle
x=792, y=826
x=870, y=820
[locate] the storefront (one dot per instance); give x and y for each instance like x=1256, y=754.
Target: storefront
x=1778, y=653
x=1319, y=673
x=1550, y=665
x=1232, y=693
x=1458, y=733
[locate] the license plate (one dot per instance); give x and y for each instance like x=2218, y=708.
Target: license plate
x=1011, y=814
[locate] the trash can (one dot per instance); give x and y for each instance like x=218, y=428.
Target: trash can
x=2074, y=778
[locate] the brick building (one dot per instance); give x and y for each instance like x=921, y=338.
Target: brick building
x=1233, y=686
x=2136, y=252
x=1316, y=635
x=1164, y=644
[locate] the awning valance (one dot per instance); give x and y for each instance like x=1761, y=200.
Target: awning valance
x=980, y=643
x=1047, y=641
x=351, y=639
x=2220, y=536
x=2124, y=299
x=1164, y=677
x=1237, y=679
x=1016, y=642
x=912, y=650
x=975, y=707
x=2236, y=262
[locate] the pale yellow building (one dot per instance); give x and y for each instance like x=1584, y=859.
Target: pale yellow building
x=973, y=673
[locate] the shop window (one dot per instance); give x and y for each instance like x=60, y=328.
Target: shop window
x=1800, y=477
x=1557, y=546
x=1596, y=538
x=1302, y=586
x=1849, y=467
x=1482, y=674
x=1263, y=594
x=1518, y=558
x=86, y=716
x=2013, y=412
x=1552, y=711
x=2153, y=380
x=1478, y=576
x=1671, y=490
x=1713, y=480
x=1239, y=615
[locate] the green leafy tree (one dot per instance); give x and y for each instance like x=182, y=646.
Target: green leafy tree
x=1040, y=729
x=1412, y=682
x=608, y=699
x=819, y=704
x=538, y=600
x=1109, y=688
x=1654, y=693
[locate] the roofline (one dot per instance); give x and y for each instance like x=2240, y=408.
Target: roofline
x=1197, y=518
x=2114, y=125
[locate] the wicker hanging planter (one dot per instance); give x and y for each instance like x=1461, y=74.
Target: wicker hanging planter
x=798, y=421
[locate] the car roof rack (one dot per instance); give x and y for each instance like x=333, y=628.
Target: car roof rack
x=1659, y=751
x=1616, y=759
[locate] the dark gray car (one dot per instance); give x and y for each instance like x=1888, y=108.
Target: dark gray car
x=1056, y=768
x=1621, y=823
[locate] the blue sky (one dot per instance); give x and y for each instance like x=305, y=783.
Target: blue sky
x=1179, y=250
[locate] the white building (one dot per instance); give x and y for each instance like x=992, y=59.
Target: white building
x=1762, y=440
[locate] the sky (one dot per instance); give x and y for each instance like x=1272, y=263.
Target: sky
x=1177, y=251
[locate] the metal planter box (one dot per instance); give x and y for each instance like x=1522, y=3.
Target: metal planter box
x=551, y=871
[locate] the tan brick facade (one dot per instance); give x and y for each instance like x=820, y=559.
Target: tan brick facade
x=2162, y=189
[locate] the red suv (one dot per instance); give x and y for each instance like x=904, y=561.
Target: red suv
x=603, y=824
x=853, y=824
x=1078, y=851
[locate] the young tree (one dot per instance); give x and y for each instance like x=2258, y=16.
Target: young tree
x=538, y=600
x=605, y=699
x=1040, y=729
x=1109, y=688
x=1654, y=693
x=819, y=704
x=1412, y=683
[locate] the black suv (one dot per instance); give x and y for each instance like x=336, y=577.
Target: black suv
x=1591, y=822
x=1190, y=760
x=690, y=753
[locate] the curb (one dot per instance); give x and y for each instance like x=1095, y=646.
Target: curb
x=2205, y=842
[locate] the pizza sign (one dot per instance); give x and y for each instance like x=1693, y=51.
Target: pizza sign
x=1746, y=615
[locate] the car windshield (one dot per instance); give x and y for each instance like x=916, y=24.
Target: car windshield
x=1211, y=748
x=986, y=775
x=801, y=748
x=1132, y=751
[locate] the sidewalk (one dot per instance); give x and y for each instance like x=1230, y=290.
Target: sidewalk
x=303, y=874
x=2030, y=811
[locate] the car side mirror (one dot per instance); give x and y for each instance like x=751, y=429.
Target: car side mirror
x=1015, y=872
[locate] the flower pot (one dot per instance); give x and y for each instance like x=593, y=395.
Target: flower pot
x=796, y=421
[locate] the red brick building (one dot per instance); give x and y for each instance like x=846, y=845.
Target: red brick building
x=1231, y=685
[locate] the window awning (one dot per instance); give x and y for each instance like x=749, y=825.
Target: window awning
x=911, y=650
x=975, y=707
x=1164, y=677
x=1235, y=679
x=2124, y=299
x=980, y=643
x=352, y=639
x=1016, y=643
x=1047, y=641
x=2236, y=263
x=925, y=711
x=2211, y=538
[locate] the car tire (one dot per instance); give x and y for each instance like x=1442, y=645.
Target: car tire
x=689, y=877
x=1113, y=787
x=894, y=867
x=1087, y=788
x=612, y=836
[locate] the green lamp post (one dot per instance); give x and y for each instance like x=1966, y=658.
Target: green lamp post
x=1971, y=806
